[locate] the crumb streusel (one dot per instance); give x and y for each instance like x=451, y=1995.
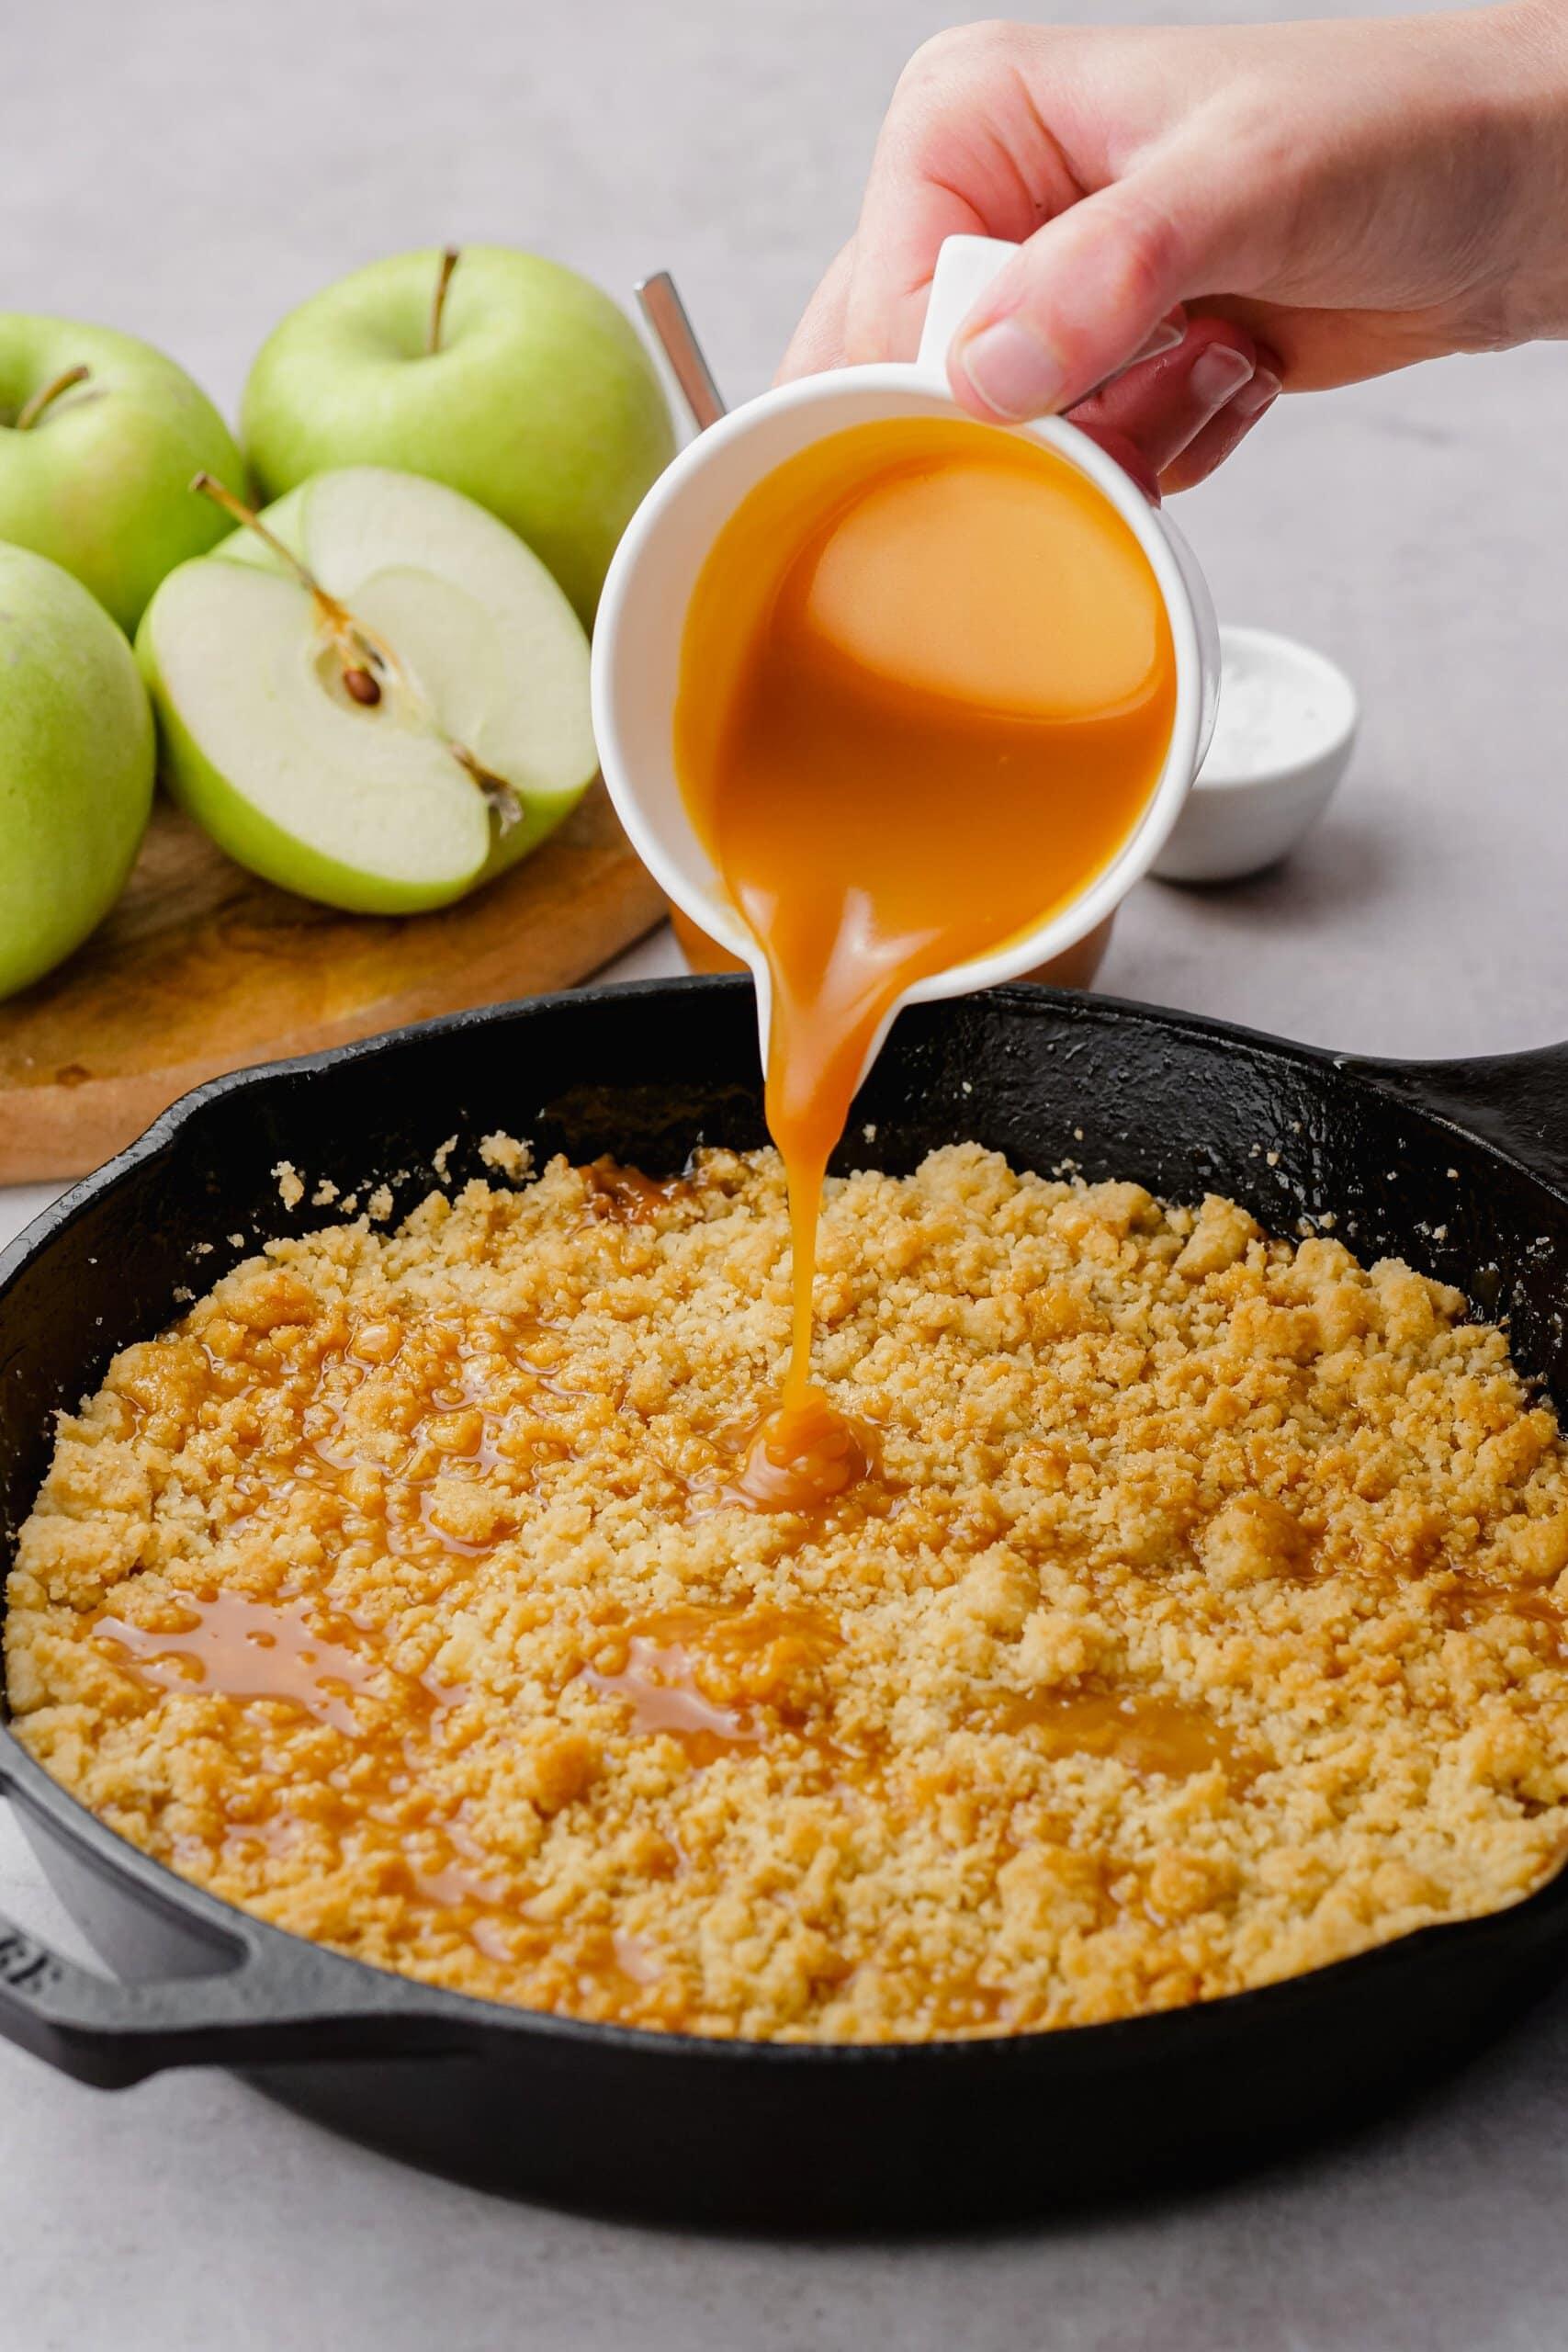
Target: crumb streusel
x=1198, y=1624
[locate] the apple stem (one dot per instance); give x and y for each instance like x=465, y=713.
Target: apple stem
x=31, y=411
x=438, y=303
x=359, y=651
x=220, y=495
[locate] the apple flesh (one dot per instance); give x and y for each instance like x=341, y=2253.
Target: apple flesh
x=76, y=755
x=97, y=477
x=538, y=400
x=388, y=731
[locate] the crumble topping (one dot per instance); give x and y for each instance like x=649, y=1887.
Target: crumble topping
x=1199, y=1623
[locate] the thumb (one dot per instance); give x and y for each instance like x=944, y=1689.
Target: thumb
x=1087, y=290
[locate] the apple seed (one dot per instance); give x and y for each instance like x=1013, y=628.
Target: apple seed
x=501, y=798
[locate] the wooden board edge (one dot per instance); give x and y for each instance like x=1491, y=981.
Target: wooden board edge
x=52, y=1133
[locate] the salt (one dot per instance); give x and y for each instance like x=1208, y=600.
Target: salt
x=1273, y=713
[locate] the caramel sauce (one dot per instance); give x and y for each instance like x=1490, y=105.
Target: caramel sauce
x=387, y=1488
x=246, y=1649
x=1148, y=1736
x=607, y=1968
x=716, y=1680
x=799, y=1457
x=750, y=1657
x=633, y=1957
x=926, y=691
x=458, y=1382
x=456, y=1887
x=1075, y=968
x=659, y=1685
x=618, y=1195
x=963, y=2005
x=1471, y=1601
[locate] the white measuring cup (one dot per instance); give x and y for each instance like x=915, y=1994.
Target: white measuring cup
x=642, y=618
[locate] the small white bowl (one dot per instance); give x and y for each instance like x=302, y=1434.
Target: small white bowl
x=1282, y=740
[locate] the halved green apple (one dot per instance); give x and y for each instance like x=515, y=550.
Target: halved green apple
x=373, y=693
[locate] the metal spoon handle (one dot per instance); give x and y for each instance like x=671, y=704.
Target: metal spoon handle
x=666, y=314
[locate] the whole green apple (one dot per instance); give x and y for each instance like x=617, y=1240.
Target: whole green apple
x=76, y=765
x=517, y=382
x=99, y=437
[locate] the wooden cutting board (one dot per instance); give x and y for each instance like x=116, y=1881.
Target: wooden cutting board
x=202, y=969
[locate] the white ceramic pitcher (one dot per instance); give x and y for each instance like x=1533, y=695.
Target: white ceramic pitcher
x=642, y=617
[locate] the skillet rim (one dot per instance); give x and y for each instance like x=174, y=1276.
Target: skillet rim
x=261, y=1950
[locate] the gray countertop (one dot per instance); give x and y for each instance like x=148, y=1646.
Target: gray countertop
x=189, y=171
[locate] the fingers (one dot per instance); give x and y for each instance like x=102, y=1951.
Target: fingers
x=1223, y=433
x=1166, y=403
x=1090, y=286
x=1168, y=421
x=964, y=150
x=817, y=341
x=890, y=283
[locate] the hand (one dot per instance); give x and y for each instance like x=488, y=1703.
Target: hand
x=1324, y=201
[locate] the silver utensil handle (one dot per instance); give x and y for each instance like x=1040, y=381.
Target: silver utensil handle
x=666, y=314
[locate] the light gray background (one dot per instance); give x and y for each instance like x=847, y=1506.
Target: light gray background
x=189, y=169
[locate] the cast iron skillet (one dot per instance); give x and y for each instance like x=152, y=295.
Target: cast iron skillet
x=1462, y=1167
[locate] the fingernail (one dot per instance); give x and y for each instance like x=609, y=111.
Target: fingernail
x=1012, y=371
x=1166, y=337
x=1252, y=402
x=1218, y=374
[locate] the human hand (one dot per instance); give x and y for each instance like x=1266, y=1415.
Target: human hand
x=1326, y=201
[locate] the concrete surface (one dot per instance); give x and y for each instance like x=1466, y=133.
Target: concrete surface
x=188, y=170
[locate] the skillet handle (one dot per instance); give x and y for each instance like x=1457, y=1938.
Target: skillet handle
x=1517, y=1102
x=277, y=2005
x=262, y=1998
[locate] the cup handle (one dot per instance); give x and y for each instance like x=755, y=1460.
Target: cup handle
x=965, y=268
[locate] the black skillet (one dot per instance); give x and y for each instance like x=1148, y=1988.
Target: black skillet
x=1461, y=1167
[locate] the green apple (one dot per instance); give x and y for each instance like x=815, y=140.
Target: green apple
x=517, y=382
x=99, y=437
x=76, y=765
x=374, y=693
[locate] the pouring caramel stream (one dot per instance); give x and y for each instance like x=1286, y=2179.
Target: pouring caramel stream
x=926, y=688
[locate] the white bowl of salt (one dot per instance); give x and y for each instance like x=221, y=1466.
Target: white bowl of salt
x=1283, y=739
